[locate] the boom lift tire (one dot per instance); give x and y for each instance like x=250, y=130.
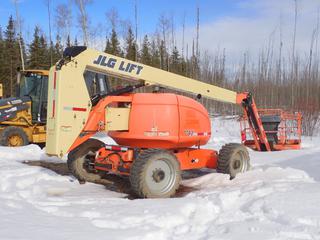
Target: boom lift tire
x=13, y=137
x=155, y=174
x=79, y=161
x=233, y=159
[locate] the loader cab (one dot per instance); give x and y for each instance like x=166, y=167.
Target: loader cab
x=34, y=84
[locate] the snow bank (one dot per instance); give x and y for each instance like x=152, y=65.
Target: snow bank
x=278, y=199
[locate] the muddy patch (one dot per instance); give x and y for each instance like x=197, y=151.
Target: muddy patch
x=59, y=168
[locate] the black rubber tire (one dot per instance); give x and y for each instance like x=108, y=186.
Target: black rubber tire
x=233, y=158
x=7, y=132
x=77, y=157
x=139, y=174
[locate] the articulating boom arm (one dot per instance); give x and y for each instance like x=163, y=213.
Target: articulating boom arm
x=69, y=103
x=126, y=69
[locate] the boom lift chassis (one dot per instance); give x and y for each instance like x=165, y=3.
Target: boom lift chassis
x=153, y=160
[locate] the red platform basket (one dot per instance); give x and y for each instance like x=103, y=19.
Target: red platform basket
x=283, y=129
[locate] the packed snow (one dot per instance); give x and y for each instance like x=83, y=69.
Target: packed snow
x=278, y=199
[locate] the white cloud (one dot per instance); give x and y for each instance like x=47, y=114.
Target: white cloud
x=238, y=34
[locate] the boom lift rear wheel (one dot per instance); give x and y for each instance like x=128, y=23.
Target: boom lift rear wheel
x=80, y=159
x=233, y=159
x=155, y=174
x=13, y=137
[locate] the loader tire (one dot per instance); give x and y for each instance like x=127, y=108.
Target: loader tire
x=13, y=137
x=155, y=174
x=233, y=159
x=80, y=158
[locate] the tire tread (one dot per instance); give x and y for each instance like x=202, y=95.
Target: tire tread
x=137, y=172
x=225, y=155
x=13, y=130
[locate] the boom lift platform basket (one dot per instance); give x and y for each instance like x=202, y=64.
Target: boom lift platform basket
x=283, y=129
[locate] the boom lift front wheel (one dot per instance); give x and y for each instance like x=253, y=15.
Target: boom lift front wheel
x=233, y=159
x=81, y=158
x=155, y=174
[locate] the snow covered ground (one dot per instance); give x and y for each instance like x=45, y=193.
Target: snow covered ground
x=278, y=199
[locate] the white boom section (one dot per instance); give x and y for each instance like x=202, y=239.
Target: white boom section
x=69, y=101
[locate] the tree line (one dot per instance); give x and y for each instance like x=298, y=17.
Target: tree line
x=37, y=54
x=41, y=54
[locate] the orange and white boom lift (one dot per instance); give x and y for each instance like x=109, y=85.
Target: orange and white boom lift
x=158, y=134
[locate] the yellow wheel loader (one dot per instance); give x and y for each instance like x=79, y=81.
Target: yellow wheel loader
x=23, y=118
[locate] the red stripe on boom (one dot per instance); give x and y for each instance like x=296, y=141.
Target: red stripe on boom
x=53, y=107
x=79, y=109
x=55, y=80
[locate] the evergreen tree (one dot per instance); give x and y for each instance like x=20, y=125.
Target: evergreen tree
x=163, y=56
x=58, y=49
x=175, y=61
x=108, y=48
x=1, y=40
x=39, y=55
x=68, y=43
x=155, y=55
x=113, y=45
x=12, y=58
x=131, y=46
x=145, y=51
x=34, y=50
x=44, y=53
x=75, y=42
x=1, y=37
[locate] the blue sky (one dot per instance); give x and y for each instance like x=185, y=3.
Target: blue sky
x=237, y=26
x=34, y=12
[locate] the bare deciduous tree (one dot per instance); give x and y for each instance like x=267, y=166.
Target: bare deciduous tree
x=48, y=4
x=136, y=24
x=198, y=28
x=113, y=17
x=183, y=34
x=63, y=21
x=18, y=22
x=83, y=19
x=294, y=63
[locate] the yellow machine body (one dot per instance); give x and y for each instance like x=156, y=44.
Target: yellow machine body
x=17, y=113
